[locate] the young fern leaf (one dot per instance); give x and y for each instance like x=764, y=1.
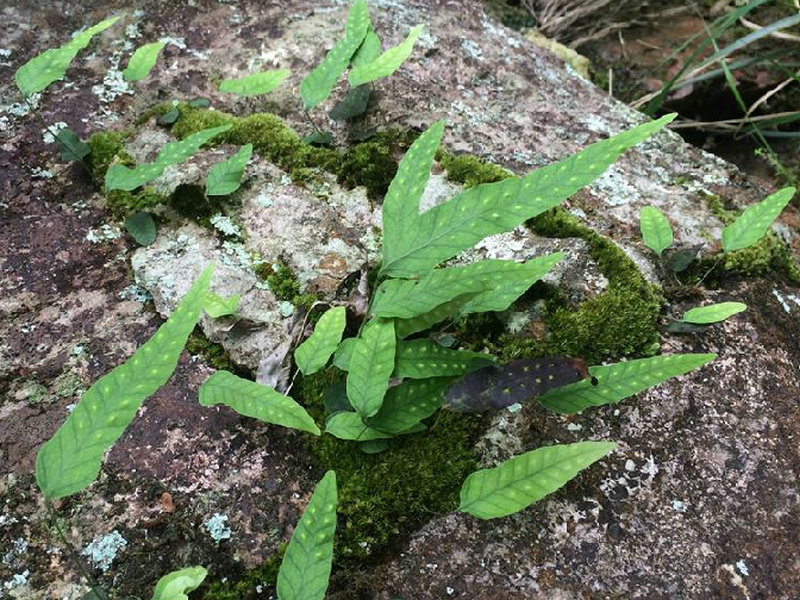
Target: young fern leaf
x=656, y=230
x=142, y=228
x=420, y=359
x=445, y=230
x=371, y=366
x=522, y=480
x=356, y=101
x=369, y=50
x=621, y=380
x=142, y=61
x=318, y=84
x=252, y=399
x=387, y=63
x=70, y=460
x=401, y=205
x=216, y=306
x=51, y=65
x=409, y=403
x=349, y=426
x=178, y=584
x=306, y=566
x=343, y=354
x=754, y=222
x=120, y=177
x=713, y=313
x=225, y=177
x=255, y=84
x=314, y=353
x=72, y=147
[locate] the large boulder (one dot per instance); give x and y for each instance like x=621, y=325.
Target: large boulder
x=699, y=501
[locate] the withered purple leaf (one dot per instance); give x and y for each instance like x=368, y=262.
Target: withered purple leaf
x=497, y=386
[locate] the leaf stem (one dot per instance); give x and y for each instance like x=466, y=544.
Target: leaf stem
x=310, y=120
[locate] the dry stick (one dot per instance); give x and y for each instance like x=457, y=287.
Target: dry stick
x=310, y=120
x=714, y=266
x=71, y=550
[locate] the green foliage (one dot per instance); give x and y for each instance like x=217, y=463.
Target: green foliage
x=621, y=380
x=656, y=230
x=142, y=228
x=283, y=283
x=443, y=231
x=314, y=353
x=143, y=61
x=306, y=566
x=215, y=306
x=407, y=404
x=119, y=177
x=255, y=400
x=178, y=584
x=318, y=84
x=344, y=353
x=470, y=170
x=407, y=327
x=106, y=147
x=70, y=460
x=225, y=177
x=421, y=359
x=754, y=222
x=522, y=480
x=349, y=426
x=713, y=313
x=371, y=365
x=72, y=148
x=387, y=63
x=255, y=84
x=51, y=65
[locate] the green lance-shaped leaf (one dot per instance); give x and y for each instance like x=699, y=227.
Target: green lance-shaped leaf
x=225, y=177
x=51, y=65
x=447, y=229
x=72, y=147
x=343, y=354
x=252, y=399
x=621, y=380
x=387, y=63
x=178, y=584
x=406, y=327
x=143, y=61
x=508, y=280
x=356, y=101
x=409, y=403
x=70, y=460
x=522, y=480
x=142, y=228
x=713, y=313
x=656, y=230
x=256, y=83
x=306, y=566
x=349, y=426
x=420, y=359
x=754, y=222
x=314, y=353
x=371, y=366
x=216, y=306
x=369, y=50
x=498, y=283
x=120, y=177
x=318, y=84
x=401, y=205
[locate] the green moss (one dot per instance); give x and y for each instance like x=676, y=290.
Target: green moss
x=768, y=255
x=373, y=163
x=214, y=354
x=283, y=283
x=122, y=203
x=387, y=495
x=106, y=147
x=470, y=170
x=621, y=321
x=263, y=577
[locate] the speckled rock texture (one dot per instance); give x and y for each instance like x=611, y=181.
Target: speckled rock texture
x=701, y=498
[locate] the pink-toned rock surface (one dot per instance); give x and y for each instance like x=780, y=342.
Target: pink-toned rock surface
x=700, y=500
